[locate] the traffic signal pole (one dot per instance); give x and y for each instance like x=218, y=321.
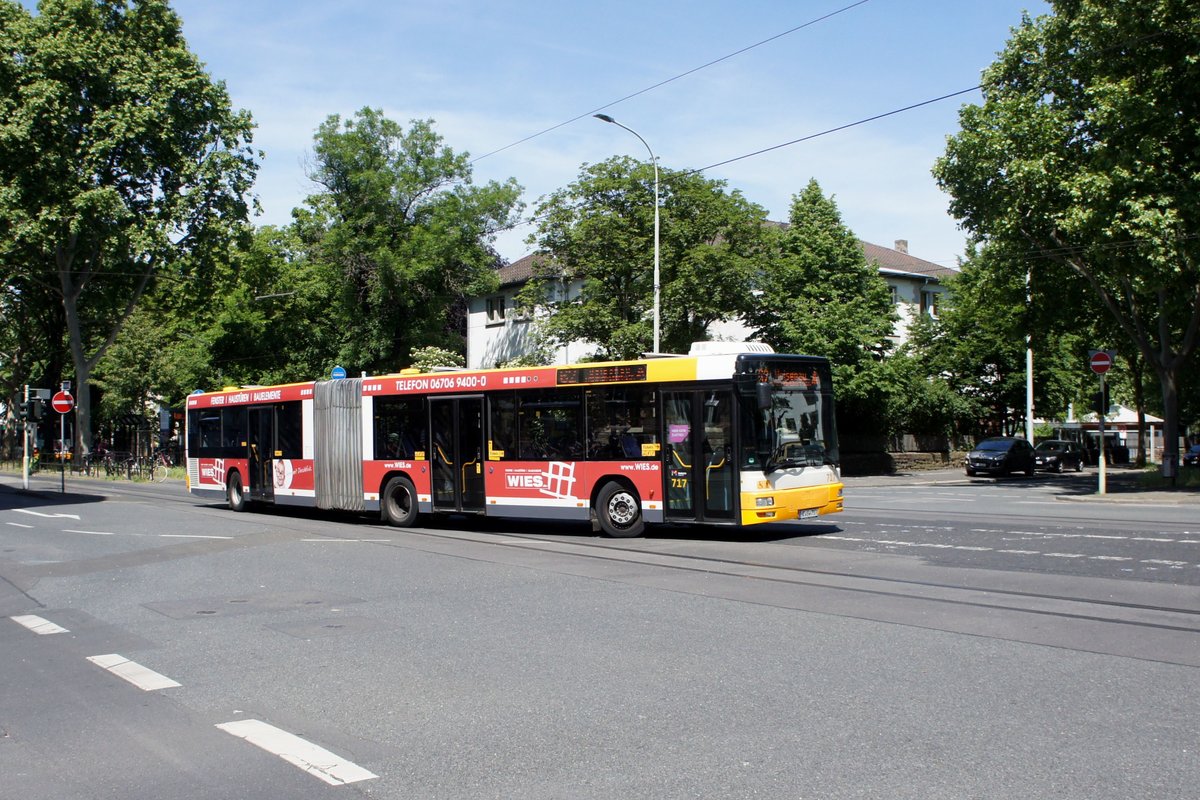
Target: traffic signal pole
x=25, y=443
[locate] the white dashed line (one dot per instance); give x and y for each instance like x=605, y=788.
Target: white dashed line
x=90, y=533
x=18, y=525
x=145, y=679
x=1065, y=555
x=191, y=536
x=318, y=761
x=38, y=625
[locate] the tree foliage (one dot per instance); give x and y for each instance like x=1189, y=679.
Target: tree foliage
x=120, y=160
x=1083, y=157
x=820, y=296
x=600, y=231
x=401, y=233
x=977, y=347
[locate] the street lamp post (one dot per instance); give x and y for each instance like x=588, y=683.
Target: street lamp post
x=654, y=161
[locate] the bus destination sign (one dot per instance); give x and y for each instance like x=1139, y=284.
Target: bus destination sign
x=793, y=377
x=617, y=373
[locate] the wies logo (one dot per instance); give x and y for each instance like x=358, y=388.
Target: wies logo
x=525, y=481
x=557, y=481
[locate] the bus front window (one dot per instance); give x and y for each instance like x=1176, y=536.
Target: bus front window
x=795, y=430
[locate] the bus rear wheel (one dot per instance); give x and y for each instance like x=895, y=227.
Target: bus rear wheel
x=235, y=493
x=400, y=502
x=620, y=511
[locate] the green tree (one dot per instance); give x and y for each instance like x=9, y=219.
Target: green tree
x=120, y=160
x=402, y=233
x=977, y=347
x=1084, y=154
x=820, y=296
x=600, y=231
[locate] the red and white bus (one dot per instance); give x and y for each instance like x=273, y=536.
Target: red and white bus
x=727, y=435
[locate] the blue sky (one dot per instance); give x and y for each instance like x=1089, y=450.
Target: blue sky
x=492, y=73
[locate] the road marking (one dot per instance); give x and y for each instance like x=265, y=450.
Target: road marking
x=1110, y=558
x=1166, y=563
x=48, y=516
x=38, y=625
x=90, y=533
x=1064, y=555
x=327, y=766
x=1148, y=539
x=191, y=536
x=1020, y=552
x=145, y=679
x=18, y=525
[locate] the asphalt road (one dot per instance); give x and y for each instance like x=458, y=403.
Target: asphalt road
x=940, y=639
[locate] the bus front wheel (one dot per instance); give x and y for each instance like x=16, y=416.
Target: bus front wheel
x=235, y=493
x=400, y=502
x=619, y=511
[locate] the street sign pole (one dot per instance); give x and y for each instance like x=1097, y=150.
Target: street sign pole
x=1103, y=475
x=63, y=402
x=1101, y=361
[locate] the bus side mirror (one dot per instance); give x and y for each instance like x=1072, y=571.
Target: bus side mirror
x=763, y=392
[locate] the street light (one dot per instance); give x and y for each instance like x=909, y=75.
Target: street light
x=654, y=161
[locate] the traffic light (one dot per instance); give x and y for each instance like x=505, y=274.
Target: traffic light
x=1100, y=402
x=31, y=410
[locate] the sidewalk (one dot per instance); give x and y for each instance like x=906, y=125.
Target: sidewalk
x=1121, y=485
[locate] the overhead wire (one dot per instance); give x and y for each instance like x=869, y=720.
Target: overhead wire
x=671, y=79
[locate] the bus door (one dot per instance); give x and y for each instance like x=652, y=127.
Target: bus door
x=698, y=470
x=260, y=444
x=457, y=453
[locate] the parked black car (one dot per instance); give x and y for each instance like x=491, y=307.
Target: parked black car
x=1001, y=455
x=1192, y=457
x=1057, y=455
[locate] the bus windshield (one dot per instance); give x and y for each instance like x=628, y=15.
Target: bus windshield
x=795, y=430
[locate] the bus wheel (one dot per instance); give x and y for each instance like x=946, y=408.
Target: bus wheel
x=619, y=511
x=235, y=493
x=400, y=502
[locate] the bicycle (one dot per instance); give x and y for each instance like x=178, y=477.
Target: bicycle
x=160, y=465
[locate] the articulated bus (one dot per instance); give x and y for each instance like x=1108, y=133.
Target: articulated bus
x=727, y=435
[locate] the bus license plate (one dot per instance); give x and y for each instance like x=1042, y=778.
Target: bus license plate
x=808, y=513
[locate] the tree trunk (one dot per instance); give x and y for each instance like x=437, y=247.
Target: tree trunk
x=1168, y=378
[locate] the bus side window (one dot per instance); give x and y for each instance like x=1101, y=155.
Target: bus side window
x=502, y=427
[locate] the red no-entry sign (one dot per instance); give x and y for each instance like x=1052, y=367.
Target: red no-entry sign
x=62, y=402
x=1100, y=362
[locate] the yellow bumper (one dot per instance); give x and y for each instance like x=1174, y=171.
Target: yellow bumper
x=790, y=503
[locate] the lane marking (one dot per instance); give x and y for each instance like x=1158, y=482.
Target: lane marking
x=90, y=533
x=18, y=525
x=145, y=679
x=1065, y=555
x=38, y=625
x=48, y=516
x=191, y=536
x=329, y=767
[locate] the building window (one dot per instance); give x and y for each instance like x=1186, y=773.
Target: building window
x=929, y=301
x=495, y=310
x=895, y=295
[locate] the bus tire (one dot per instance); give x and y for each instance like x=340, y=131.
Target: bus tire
x=399, y=504
x=619, y=511
x=235, y=493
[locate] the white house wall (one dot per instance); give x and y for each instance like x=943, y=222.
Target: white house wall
x=489, y=344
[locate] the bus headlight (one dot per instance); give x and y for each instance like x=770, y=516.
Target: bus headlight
x=764, y=502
